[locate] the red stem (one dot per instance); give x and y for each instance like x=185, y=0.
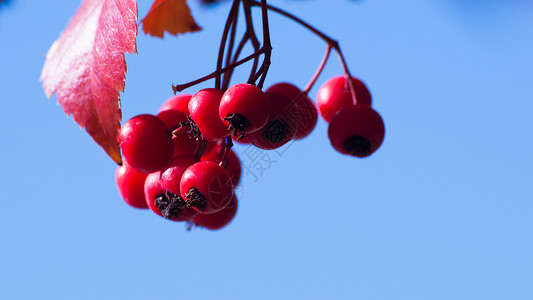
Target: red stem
x=313, y=80
x=181, y=87
x=331, y=42
x=201, y=149
x=229, y=22
x=266, y=44
x=227, y=148
x=227, y=76
x=253, y=38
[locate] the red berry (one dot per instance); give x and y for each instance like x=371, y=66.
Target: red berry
x=130, y=185
x=281, y=126
x=165, y=204
x=145, y=143
x=233, y=165
x=245, y=108
x=206, y=187
x=172, y=118
x=184, y=142
x=303, y=110
x=171, y=175
x=204, y=107
x=219, y=219
x=356, y=130
x=335, y=95
x=179, y=103
x=286, y=88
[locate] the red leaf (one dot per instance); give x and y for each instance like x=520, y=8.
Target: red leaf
x=173, y=16
x=86, y=67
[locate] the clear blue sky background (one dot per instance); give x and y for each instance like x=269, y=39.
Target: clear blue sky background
x=444, y=210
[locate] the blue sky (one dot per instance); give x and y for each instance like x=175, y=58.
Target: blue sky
x=442, y=211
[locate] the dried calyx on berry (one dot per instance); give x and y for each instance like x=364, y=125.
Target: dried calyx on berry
x=169, y=205
x=206, y=187
x=237, y=125
x=195, y=199
x=245, y=108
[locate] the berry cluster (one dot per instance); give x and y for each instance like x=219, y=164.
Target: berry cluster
x=180, y=163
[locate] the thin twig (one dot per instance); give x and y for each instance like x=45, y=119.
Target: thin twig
x=229, y=22
x=333, y=43
x=229, y=52
x=266, y=44
x=253, y=38
x=240, y=47
x=313, y=80
x=181, y=87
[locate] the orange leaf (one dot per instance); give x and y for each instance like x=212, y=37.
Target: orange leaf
x=86, y=67
x=173, y=16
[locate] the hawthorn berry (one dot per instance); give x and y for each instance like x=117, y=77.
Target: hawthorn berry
x=204, y=106
x=335, y=95
x=280, y=127
x=145, y=142
x=206, y=187
x=171, y=175
x=303, y=109
x=130, y=184
x=178, y=102
x=356, y=130
x=245, y=108
x=165, y=203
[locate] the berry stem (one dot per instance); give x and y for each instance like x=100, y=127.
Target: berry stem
x=201, y=149
x=240, y=47
x=294, y=18
x=331, y=42
x=181, y=87
x=227, y=147
x=266, y=44
x=230, y=20
x=263, y=70
x=229, y=52
x=349, y=78
x=253, y=38
x=317, y=73
x=229, y=33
